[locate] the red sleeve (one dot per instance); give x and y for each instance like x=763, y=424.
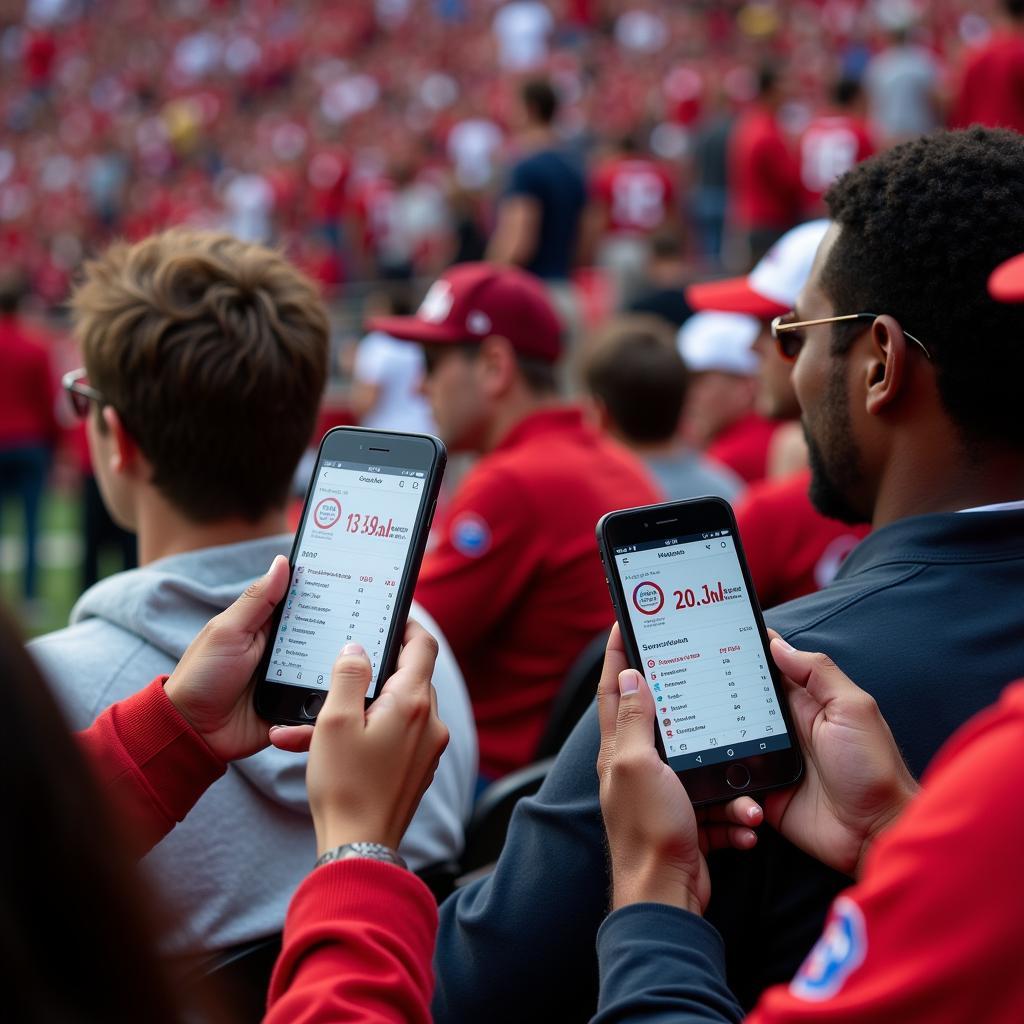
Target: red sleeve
x=760, y=543
x=358, y=943
x=483, y=559
x=934, y=931
x=151, y=762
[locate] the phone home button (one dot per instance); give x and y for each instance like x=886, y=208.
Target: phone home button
x=311, y=708
x=737, y=776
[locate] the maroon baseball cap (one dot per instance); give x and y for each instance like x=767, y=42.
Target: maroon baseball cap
x=1006, y=283
x=471, y=301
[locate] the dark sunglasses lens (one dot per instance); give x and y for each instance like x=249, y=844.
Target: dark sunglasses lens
x=790, y=344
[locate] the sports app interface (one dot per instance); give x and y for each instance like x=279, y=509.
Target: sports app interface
x=701, y=650
x=352, y=554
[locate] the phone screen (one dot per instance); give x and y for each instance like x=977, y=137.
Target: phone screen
x=701, y=650
x=352, y=551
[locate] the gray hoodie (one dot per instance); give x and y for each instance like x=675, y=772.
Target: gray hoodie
x=229, y=869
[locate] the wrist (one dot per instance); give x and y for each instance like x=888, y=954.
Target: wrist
x=893, y=812
x=664, y=882
x=348, y=833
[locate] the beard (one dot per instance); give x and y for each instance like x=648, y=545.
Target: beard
x=836, y=473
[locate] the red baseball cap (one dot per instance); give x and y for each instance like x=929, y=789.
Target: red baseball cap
x=1006, y=282
x=472, y=301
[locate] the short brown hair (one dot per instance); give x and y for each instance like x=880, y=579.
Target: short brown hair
x=214, y=354
x=636, y=372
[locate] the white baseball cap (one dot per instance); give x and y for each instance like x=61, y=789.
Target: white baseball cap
x=720, y=341
x=772, y=286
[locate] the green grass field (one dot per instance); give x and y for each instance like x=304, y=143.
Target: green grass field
x=60, y=568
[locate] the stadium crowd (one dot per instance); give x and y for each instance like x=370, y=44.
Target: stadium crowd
x=612, y=252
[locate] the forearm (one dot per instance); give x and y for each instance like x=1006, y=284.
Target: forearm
x=662, y=965
x=358, y=942
x=152, y=763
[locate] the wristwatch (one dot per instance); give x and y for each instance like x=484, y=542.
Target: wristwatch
x=373, y=851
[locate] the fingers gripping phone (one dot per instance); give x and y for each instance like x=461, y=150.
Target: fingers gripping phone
x=354, y=563
x=691, y=624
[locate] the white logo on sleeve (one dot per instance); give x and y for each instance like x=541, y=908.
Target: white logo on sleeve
x=437, y=303
x=836, y=955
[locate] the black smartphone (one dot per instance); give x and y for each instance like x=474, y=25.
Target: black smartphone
x=692, y=625
x=354, y=564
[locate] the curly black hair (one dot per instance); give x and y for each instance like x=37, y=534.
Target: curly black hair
x=922, y=227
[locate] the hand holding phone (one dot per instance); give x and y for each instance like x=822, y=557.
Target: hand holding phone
x=691, y=625
x=656, y=851
x=369, y=767
x=212, y=684
x=354, y=563
x=855, y=783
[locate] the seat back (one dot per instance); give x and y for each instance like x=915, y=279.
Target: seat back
x=578, y=691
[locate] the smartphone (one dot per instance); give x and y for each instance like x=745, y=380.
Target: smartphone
x=354, y=564
x=692, y=625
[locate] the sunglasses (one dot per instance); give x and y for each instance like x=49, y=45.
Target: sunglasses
x=787, y=336
x=75, y=383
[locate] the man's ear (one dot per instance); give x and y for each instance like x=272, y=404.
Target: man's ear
x=126, y=458
x=885, y=365
x=498, y=365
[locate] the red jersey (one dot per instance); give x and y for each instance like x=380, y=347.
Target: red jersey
x=830, y=145
x=515, y=581
x=764, y=184
x=894, y=950
x=792, y=549
x=639, y=195
x=27, y=387
x=744, y=446
x=992, y=88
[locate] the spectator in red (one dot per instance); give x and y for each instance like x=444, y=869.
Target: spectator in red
x=632, y=197
x=28, y=423
x=992, y=86
x=764, y=183
x=514, y=581
x=832, y=143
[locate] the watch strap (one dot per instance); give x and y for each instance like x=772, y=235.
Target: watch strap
x=371, y=851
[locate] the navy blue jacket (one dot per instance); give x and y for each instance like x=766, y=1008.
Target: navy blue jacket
x=927, y=614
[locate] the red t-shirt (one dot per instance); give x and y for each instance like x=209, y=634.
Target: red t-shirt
x=992, y=87
x=792, y=549
x=744, y=446
x=830, y=145
x=764, y=185
x=933, y=932
x=27, y=387
x=515, y=581
x=639, y=195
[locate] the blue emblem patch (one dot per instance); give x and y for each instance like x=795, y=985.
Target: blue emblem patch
x=470, y=535
x=837, y=954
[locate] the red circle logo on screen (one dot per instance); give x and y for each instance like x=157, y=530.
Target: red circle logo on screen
x=648, y=598
x=327, y=513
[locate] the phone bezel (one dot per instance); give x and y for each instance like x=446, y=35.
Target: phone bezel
x=284, y=702
x=707, y=784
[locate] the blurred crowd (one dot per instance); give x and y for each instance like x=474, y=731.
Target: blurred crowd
x=613, y=253
x=371, y=138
